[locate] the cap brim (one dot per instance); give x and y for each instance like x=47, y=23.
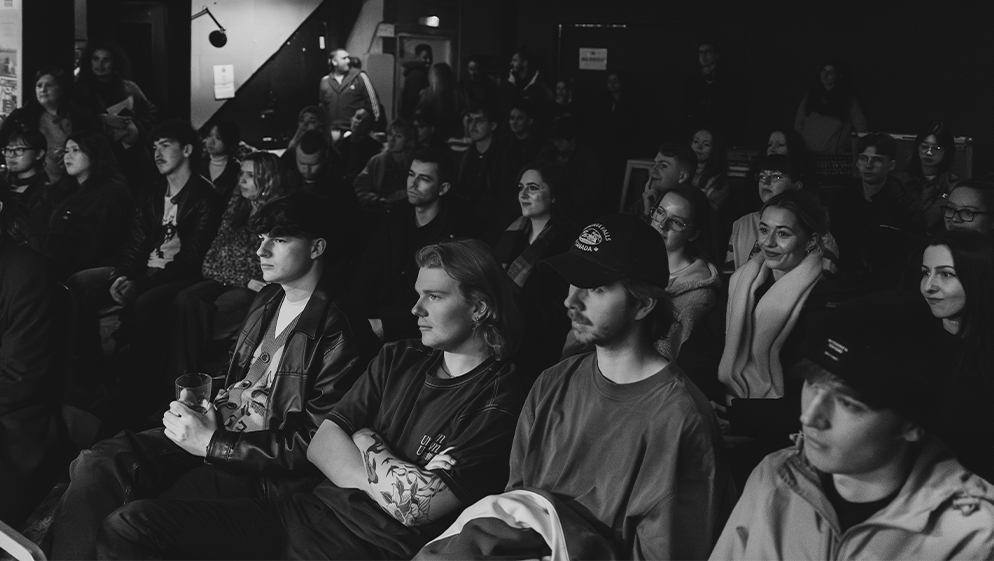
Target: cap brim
x=582, y=272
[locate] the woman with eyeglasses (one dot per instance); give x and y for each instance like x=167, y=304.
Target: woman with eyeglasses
x=771, y=299
x=53, y=113
x=957, y=274
x=970, y=207
x=776, y=174
x=683, y=219
x=929, y=177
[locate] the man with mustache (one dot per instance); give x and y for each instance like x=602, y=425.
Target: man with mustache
x=618, y=447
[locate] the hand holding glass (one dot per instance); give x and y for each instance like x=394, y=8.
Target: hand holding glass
x=193, y=390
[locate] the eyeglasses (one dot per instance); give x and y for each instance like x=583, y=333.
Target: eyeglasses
x=925, y=148
x=659, y=215
x=870, y=161
x=961, y=214
x=16, y=151
x=769, y=177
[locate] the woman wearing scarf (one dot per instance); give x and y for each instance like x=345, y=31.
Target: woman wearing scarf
x=778, y=291
x=539, y=232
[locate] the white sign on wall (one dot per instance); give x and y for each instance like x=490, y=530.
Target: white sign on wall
x=593, y=59
x=224, y=81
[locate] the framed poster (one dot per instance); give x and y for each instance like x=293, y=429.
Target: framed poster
x=10, y=57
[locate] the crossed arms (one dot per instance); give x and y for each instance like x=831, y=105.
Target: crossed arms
x=410, y=493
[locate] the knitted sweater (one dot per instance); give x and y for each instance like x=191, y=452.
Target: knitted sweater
x=693, y=292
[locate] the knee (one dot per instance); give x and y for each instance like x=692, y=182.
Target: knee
x=125, y=533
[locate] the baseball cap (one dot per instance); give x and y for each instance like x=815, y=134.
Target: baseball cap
x=888, y=348
x=614, y=247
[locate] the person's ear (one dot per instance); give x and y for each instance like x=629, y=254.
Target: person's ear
x=798, y=186
x=892, y=164
x=187, y=150
x=444, y=188
x=697, y=234
x=1, y=206
x=41, y=155
x=812, y=243
x=684, y=176
x=480, y=310
x=646, y=305
x=317, y=247
x=912, y=432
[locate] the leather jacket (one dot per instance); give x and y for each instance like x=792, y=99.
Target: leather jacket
x=197, y=220
x=329, y=348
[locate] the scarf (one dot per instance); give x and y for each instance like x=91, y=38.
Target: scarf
x=750, y=364
x=516, y=235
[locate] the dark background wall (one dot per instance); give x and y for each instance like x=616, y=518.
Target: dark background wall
x=909, y=62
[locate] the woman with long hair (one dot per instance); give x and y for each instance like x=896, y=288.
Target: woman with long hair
x=711, y=175
x=53, y=113
x=929, y=176
x=956, y=278
x=215, y=308
x=221, y=167
x=85, y=216
x=829, y=112
x=683, y=218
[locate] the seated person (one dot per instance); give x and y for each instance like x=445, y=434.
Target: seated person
x=310, y=118
x=772, y=299
x=358, y=145
x=477, y=169
x=970, y=207
x=25, y=177
x=382, y=184
x=879, y=225
x=541, y=231
x=384, y=282
x=867, y=479
x=929, y=176
x=514, y=152
x=221, y=166
x=711, y=175
x=683, y=218
x=171, y=232
x=426, y=431
x=33, y=359
x=673, y=165
x=775, y=174
x=301, y=349
x=587, y=197
x=652, y=489
x=83, y=219
x=216, y=307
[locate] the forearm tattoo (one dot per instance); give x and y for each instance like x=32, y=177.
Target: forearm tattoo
x=402, y=489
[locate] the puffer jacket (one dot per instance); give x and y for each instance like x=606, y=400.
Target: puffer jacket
x=692, y=293
x=941, y=512
x=329, y=348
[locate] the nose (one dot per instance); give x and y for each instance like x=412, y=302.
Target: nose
x=264, y=249
x=928, y=283
x=573, y=301
x=419, y=309
x=767, y=240
x=815, y=413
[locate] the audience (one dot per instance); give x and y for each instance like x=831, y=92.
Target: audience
x=867, y=477
x=382, y=184
x=970, y=206
x=54, y=113
x=84, y=218
x=540, y=232
x=891, y=402
x=221, y=167
x=683, y=219
x=126, y=116
x=829, y=112
x=772, y=299
x=654, y=486
x=957, y=271
x=301, y=349
x=214, y=308
x=426, y=431
x=34, y=353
